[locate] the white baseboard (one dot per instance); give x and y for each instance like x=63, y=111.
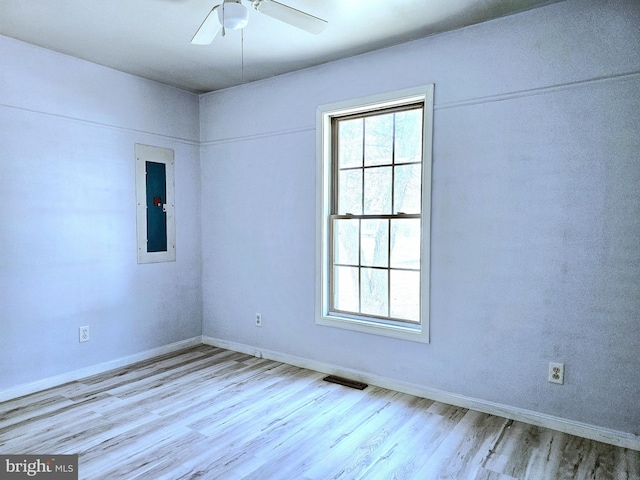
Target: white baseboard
x=613, y=437
x=592, y=432
x=61, y=379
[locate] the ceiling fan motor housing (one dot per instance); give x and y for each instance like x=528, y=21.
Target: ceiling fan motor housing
x=233, y=15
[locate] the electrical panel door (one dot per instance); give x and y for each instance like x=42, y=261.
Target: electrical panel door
x=155, y=204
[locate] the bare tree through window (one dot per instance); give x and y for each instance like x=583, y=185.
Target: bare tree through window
x=376, y=213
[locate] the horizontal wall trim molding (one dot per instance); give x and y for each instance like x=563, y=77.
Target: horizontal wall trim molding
x=74, y=375
x=535, y=91
x=259, y=136
x=108, y=126
x=444, y=106
x=592, y=432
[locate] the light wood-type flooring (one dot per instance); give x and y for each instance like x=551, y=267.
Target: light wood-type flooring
x=207, y=413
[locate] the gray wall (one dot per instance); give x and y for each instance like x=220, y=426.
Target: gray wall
x=535, y=222
x=536, y=213
x=68, y=215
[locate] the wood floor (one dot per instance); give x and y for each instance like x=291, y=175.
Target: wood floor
x=207, y=413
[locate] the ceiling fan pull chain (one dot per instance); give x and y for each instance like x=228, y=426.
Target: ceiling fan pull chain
x=242, y=56
x=223, y=17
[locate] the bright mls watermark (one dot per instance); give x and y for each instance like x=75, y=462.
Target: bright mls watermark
x=50, y=467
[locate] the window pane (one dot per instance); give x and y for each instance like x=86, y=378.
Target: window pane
x=374, y=243
x=346, y=235
x=350, y=192
x=407, y=188
x=405, y=295
x=377, y=190
x=375, y=292
x=405, y=243
x=408, y=142
x=373, y=163
x=378, y=139
x=346, y=291
x=350, y=143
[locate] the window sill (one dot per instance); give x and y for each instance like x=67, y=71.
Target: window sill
x=413, y=333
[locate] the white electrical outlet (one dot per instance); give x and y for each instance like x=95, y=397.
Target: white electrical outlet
x=556, y=373
x=83, y=334
x=258, y=320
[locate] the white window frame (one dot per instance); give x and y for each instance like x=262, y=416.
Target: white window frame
x=147, y=153
x=324, y=115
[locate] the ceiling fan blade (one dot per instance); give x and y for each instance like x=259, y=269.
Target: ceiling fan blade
x=290, y=15
x=209, y=29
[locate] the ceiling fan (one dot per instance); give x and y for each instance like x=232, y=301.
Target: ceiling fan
x=233, y=15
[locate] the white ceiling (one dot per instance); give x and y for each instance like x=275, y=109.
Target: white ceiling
x=151, y=38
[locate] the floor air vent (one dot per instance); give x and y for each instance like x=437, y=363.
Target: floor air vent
x=346, y=382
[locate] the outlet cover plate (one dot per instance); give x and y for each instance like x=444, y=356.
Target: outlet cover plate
x=83, y=334
x=556, y=373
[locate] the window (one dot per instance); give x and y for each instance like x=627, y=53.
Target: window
x=374, y=158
